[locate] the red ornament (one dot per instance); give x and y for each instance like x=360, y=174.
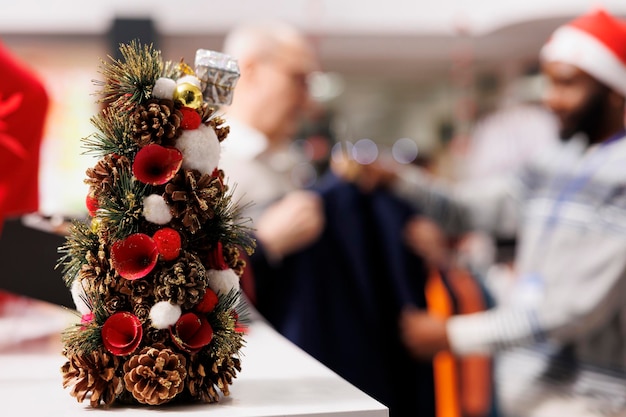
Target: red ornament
x=92, y=204
x=191, y=332
x=135, y=256
x=208, y=302
x=168, y=243
x=191, y=118
x=155, y=164
x=122, y=333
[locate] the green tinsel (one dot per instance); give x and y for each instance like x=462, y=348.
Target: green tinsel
x=86, y=337
x=79, y=241
x=122, y=212
x=129, y=81
x=227, y=340
x=113, y=136
x=227, y=226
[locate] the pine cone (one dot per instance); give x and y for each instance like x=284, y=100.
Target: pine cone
x=156, y=121
x=114, y=303
x=93, y=373
x=139, y=291
x=99, y=278
x=204, y=379
x=224, y=372
x=221, y=131
x=192, y=197
x=199, y=386
x=105, y=175
x=233, y=259
x=142, y=311
x=153, y=336
x=184, y=283
x=155, y=375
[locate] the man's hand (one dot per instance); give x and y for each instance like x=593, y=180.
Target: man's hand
x=368, y=177
x=423, y=334
x=292, y=223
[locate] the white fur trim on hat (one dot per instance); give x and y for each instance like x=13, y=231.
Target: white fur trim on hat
x=576, y=47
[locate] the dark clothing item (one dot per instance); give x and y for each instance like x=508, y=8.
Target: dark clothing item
x=340, y=299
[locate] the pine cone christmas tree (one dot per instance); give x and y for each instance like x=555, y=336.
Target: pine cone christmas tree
x=155, y=272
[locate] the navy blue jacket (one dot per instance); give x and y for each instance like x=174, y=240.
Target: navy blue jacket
x=340, y=299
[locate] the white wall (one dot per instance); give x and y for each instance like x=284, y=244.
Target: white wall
x=324, y=16
x=399, y=63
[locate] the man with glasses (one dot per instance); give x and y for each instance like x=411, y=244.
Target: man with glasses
x=270, y=99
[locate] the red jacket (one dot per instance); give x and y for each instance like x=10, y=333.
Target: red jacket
x=23, y=109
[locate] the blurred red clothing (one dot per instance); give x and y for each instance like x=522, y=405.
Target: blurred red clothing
x=23, y=108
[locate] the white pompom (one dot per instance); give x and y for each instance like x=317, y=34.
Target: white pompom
x=191, y=79
x=164, y=88
x=200, y=148
x=78, y=296
x=156, y=210
x=164, y=314
x=223, y=281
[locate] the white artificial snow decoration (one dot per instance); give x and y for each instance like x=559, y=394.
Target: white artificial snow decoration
x=78, y=296
x=164, y=88
x=200, y=148
x=191, y=79
x=164, y=314
x=156, y=210
x=222, y=281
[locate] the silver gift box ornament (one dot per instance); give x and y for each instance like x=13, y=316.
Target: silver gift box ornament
x=218, y=74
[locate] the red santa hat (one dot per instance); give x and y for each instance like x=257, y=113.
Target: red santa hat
x=595, y=43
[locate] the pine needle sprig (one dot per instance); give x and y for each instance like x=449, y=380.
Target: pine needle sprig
x=113, y=136
x=227, y=340
x=86, y=337
x=228, y=225
x=78, y=243
x=121, y=213
x=129, y=81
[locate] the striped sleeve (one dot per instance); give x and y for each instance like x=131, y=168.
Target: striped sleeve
x=492, y=330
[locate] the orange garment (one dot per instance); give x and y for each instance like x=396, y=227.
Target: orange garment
x=23, y=109
x=462, y=385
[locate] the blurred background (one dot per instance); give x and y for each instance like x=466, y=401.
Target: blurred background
x=417, y=74
x=414, y=79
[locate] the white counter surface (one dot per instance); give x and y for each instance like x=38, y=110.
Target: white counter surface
x=277, y=379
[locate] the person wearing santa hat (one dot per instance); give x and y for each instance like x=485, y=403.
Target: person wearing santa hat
x=570, y=265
